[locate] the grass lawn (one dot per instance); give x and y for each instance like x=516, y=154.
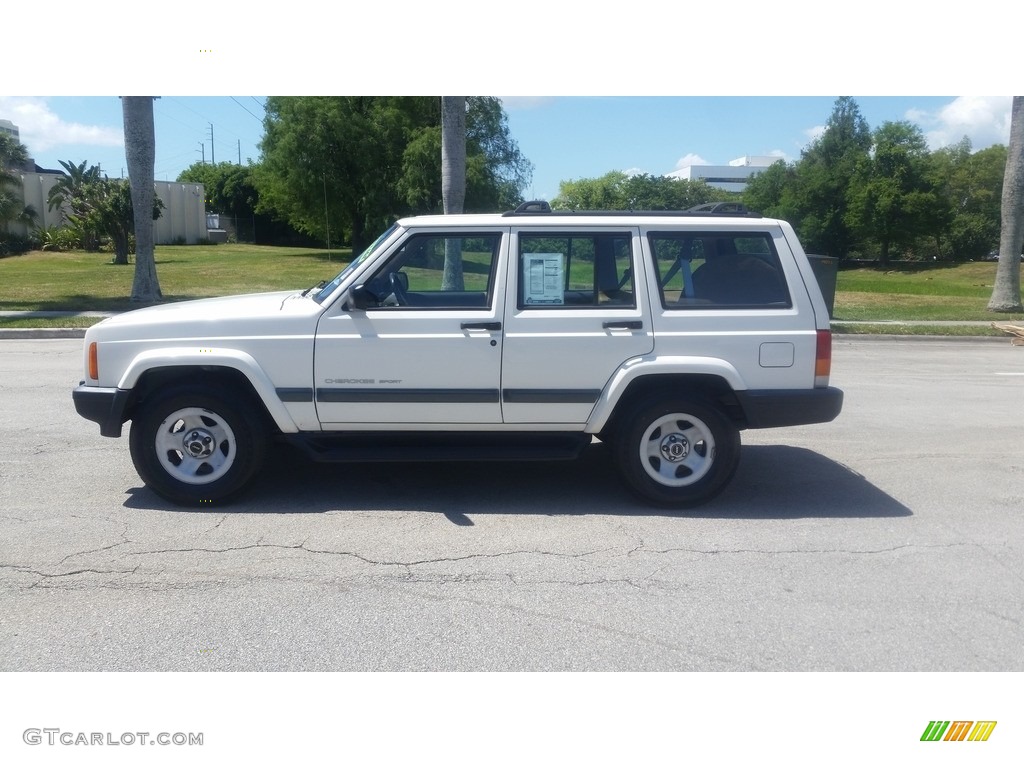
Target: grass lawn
x=44, y=280
x=959, y=292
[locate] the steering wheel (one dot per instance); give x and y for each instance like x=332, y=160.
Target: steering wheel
x=398, y=289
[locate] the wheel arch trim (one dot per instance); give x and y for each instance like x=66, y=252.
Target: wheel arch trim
x=676, y=367
x=191, y=357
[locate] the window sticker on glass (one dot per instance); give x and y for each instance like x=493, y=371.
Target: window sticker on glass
x=543, y=278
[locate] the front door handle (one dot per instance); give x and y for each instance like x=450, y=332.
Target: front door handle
x=623, y=325
x=492, y=326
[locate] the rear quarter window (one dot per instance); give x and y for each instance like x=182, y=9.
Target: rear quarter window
x=716, y=270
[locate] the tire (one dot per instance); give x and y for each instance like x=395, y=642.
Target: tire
x=192, y=447
x=677, y=452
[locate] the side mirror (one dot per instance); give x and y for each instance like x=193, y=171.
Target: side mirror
x=364, y=298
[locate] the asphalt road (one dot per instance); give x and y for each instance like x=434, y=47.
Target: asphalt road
x=889, y=540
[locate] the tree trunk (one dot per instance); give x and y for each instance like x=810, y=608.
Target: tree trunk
x=140, y=153
x=453, y=182
x=120, y=247
x=1006, y=290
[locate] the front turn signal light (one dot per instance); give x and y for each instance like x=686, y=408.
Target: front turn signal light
x=94, y=362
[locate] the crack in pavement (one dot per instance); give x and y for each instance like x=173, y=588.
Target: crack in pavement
x=370, y=561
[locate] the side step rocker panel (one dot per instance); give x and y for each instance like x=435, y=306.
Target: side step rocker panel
x=438, y=446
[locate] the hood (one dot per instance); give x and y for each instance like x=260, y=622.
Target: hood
x=219, y=316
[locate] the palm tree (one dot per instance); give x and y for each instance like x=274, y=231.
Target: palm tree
x=73, y=193
x=1006, y=290
x=453, y=181
x=140, y=153
x=13, y=155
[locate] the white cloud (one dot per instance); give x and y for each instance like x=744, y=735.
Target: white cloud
x=814, y=133
x=985, y=120
x=690, y=159
x=634, y=171
x=41, y=129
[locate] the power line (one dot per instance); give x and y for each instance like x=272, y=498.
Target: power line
x=244, y=107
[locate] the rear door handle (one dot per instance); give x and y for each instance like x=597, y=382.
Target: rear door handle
x=481, y=326
x=623, y=325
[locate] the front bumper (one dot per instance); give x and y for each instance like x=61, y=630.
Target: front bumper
x=788, y=408
x=104, y=405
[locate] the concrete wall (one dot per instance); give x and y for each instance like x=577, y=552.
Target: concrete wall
x=183, y=217
x=184, y=213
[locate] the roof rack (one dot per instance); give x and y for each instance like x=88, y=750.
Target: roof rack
x=709, y=210
x=530, y=207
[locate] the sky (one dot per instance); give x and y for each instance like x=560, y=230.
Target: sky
x=645, y=88
x=564, y=137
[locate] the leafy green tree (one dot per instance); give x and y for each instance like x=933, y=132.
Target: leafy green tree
x=821, y=196
x=970, y=184
x=362, y=160
x=603, y=193
x=140, y=154
x=13, y=154
x=617, y=191
x=1006, y=296
x=892, y=196
x=96, y=208
x=229, y=187
x=231, y=190
x=772, y=192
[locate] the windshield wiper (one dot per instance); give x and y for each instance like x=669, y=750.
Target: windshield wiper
x=316, y=287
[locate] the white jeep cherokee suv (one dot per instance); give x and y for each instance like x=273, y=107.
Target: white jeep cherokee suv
x=484, y=337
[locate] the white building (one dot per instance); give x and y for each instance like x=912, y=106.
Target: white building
x=183, y=219
x=732, y=177
x=6, y=126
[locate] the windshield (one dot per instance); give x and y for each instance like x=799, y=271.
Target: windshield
x=326, y=291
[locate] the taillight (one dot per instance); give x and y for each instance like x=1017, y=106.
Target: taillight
x=94, y=362
x=823, y=359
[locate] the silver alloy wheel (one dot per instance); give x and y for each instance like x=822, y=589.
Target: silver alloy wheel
x=677, y=450
x=195, y=446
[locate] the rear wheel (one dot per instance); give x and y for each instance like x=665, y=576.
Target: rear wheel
x=194, y=448
x=677, y=452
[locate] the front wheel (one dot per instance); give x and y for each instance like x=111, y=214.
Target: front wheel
x=194, y=448
x=677, y=452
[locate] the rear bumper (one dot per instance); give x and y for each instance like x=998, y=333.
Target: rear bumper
x=104, y=405
x=765, y=408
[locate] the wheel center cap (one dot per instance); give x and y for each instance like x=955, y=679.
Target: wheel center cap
x=675, y=447
x=198, y=443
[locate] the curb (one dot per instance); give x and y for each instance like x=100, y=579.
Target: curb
x=42, y=333
x=837, y=337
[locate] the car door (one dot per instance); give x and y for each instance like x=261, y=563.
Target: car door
x=419, y=342
x=573, y=315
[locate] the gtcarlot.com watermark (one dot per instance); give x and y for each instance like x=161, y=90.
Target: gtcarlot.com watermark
x=58, y=737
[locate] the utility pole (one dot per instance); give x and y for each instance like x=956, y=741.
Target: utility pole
x=239, y=151
x=213, y=152
x=202, y=148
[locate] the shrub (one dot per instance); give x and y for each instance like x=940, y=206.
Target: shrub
x=12, y=245
x=57, y=239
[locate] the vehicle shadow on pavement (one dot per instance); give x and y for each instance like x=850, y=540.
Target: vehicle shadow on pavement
x=772, y=482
